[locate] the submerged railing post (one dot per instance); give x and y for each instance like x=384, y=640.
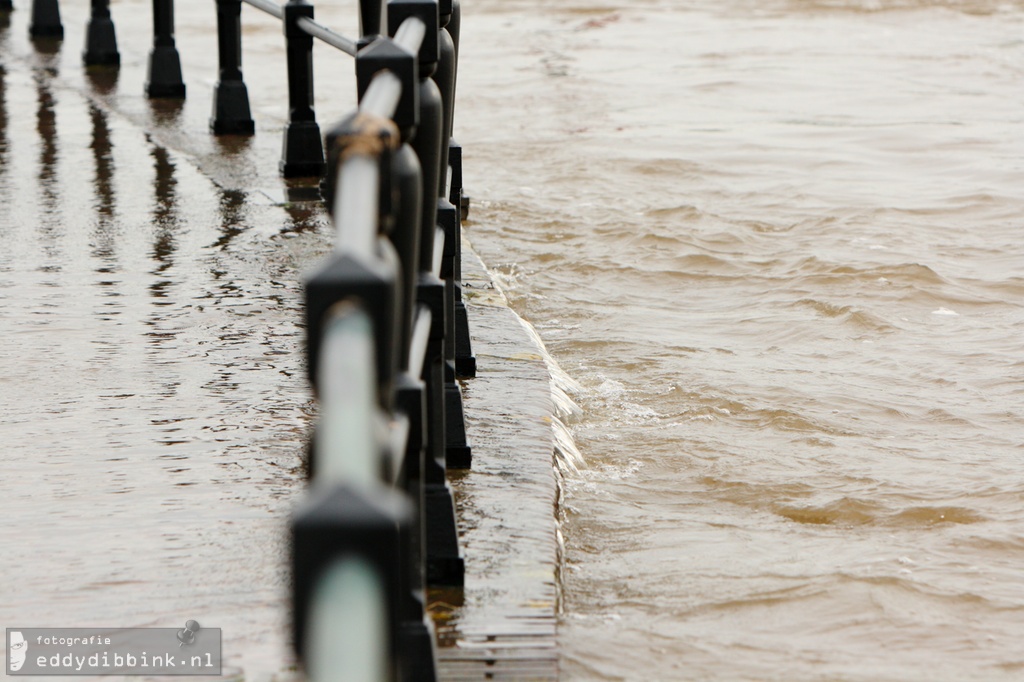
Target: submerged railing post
x=45, y=22
x=164, y=67
x=431, y=143
x=100, y=37
x=231, y=114
x=302, y=153
x=465, y=361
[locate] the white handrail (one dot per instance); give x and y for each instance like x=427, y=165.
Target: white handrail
x=410, y=34
x=382, y=95
x=355, y=207
x=347, y=442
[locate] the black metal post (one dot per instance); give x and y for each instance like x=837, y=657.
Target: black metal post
x=371, y=16
x=302, y=153
x=45, y=21
x=406, y=234
x=465, y=361
x=100, y=38
x=455, y=27
x=164, y=68
x=458, y=451
x=427, y=142
x=458, y=454
x=445, y=565
x=416, y=634
x=444, y=76
x=231, y=114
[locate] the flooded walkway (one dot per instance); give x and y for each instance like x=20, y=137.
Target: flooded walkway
x=154, y=407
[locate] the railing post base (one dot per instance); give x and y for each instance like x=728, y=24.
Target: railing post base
x=302, y=154
x=164, y=71
x=465, y=361
x=458, y=453
x=46, y=20
x=231, y=114
x=101, y=43
x=416, y=644
x=445, y=565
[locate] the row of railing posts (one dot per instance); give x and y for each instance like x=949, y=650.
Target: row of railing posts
x=399, y=276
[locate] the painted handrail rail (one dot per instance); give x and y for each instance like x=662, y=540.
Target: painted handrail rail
x=349, y=426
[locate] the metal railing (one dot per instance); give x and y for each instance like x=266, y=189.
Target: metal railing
x=393, y=268
x=387, y=334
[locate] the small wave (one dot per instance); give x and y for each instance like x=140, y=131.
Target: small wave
x=849, y=511
x=843, y=512
x=825, y=272
x=929, y=516
x=847, y=314
x=567, y=456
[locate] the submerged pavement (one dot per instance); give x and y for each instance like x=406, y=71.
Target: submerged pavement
x=194, y=247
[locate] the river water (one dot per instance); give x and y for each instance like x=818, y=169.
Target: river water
x=778, y=245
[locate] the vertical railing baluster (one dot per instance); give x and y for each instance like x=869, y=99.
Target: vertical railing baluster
x=444, y=76
x=231, y=114
x=371, y=19
x=455, y=29
x=459, y=454
x=465, y=361
x=100, y=37
x=164, y=67
x=302, y=153
x=45, y=22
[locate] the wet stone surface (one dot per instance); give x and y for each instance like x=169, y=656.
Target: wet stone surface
x=505, y=625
